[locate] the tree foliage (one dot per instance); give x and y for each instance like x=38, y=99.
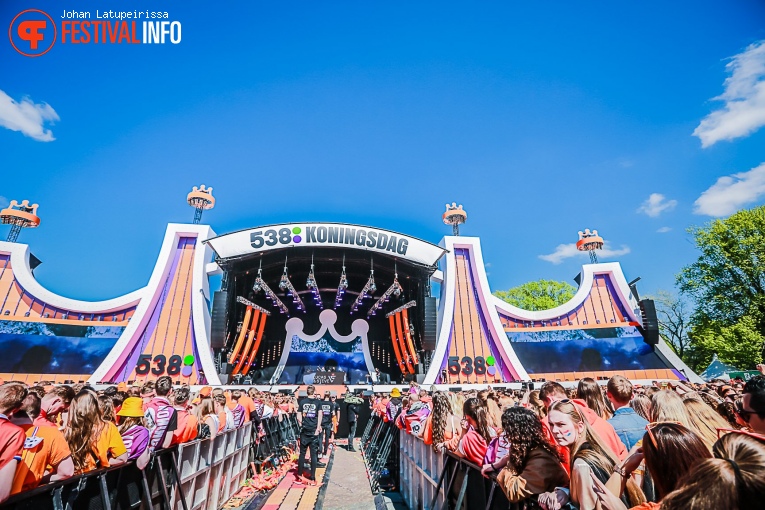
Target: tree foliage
x=538, y=295
x=739, y=344
x=727, y=283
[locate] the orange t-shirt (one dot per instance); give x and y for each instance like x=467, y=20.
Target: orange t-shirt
x=222, y=421
x=249, y=406
x=109, y=443
x=187, y=427
x=51, y=451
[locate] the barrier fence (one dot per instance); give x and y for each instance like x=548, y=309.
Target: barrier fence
x=436, y=481
x=200, y=475
x=279, y=439
x=379, y=447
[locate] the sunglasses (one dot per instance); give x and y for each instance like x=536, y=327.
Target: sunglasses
x=738, y=406
x=655, y=424
x=722, y=432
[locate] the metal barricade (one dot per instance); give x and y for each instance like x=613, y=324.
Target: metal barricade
x=436, y=481
x=200, y=475
x=273, y=442
x=379, y=447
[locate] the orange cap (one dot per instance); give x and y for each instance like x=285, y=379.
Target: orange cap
x=205, y=392
x=122, y=386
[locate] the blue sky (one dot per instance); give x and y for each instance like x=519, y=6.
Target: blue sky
x=542, y=119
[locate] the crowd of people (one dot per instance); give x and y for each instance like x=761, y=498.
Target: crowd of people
x=669, y=445
x=53, y=432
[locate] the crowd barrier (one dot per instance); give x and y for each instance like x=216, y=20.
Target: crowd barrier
x=379, y=447
x=436, y=481
x=200, y=475
x=279, y=438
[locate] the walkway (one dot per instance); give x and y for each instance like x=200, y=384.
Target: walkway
x=348, y=485
x=344, y=486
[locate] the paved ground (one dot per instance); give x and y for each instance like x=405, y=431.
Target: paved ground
x=348, y=485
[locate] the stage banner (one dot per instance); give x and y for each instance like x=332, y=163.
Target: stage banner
x=273, y=237
x=329, y=377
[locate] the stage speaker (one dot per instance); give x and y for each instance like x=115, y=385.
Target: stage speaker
x=223, y=378
x=218, y=320
x=226, y=368
x=420, y=378
x=430, y=325
x=650, y=321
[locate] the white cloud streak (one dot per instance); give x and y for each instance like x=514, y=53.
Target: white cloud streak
x=656, y=204
x=27, y=116
x=664, y=230
x=731, y=192
x=743, y=111
x=567, y=251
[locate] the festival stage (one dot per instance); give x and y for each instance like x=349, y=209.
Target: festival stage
x=327, y=304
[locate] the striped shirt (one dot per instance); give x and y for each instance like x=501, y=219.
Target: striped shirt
x=161, y=418
x=136, y=439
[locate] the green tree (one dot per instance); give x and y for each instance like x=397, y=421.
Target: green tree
x=739, y=344
x=727, y=281
x=538, y=295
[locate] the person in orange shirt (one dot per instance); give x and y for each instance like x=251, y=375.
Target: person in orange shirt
x=94, y=443
x=55, y=402
x=248, y=404
x=187, y=422
x=45, y=449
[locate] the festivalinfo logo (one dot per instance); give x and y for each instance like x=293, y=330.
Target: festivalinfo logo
x=33, y=32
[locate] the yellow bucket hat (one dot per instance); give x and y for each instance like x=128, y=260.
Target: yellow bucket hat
x=132, y=406
x=395, y=393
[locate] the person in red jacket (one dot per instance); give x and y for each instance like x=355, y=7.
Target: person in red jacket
x=552, y=392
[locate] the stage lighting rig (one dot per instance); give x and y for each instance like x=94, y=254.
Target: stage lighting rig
x=394, y=290
x=367, y=291
x=341, y=287
x=261, y=285
x=286, y=285
x=240, y=299
x=401, y=308
x=314, y=287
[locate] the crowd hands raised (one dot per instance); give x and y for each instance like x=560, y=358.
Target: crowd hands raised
x=674, y=446
x=50, y=433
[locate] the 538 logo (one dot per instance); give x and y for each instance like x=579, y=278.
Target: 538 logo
x=32, y=33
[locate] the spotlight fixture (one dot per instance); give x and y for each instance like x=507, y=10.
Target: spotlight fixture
x=314, y=287
x=395, y=290
x=286, y=285
x=261, y=285
x=341, y=287
x=367, y=291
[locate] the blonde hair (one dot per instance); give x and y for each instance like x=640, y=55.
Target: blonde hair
x=458, y=401
x=705, y=420
x=666, y=405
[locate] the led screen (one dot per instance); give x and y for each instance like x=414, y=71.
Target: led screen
x=584, y=350
x=39, y=348
x=306, y=358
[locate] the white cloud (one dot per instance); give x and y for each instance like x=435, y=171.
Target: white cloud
x=27, y=116
x=567, y=251
x=744, y=98
x=656, y=204
x=664, y=230
x=731, y=192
